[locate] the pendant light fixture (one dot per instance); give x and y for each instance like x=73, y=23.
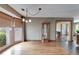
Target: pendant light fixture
x=26, y=19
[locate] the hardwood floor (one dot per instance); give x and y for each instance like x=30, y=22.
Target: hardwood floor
x=36, y=48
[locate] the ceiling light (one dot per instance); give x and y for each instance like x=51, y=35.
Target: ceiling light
x=26, y=21
x=23, y=20
x=30, y=20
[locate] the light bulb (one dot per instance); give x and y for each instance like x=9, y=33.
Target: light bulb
x=23, y=20
x=30, y=20
x=26, y=21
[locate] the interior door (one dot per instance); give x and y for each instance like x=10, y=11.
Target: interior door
x=46, y=31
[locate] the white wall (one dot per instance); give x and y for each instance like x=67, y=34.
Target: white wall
x=34, y=28
x=52, y=30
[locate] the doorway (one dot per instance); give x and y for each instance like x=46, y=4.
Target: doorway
x=45, y=32
x=63, y=30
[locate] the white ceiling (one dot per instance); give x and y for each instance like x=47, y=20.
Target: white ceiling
x=49, y=10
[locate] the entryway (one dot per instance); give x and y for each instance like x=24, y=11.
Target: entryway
x=63, y=30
